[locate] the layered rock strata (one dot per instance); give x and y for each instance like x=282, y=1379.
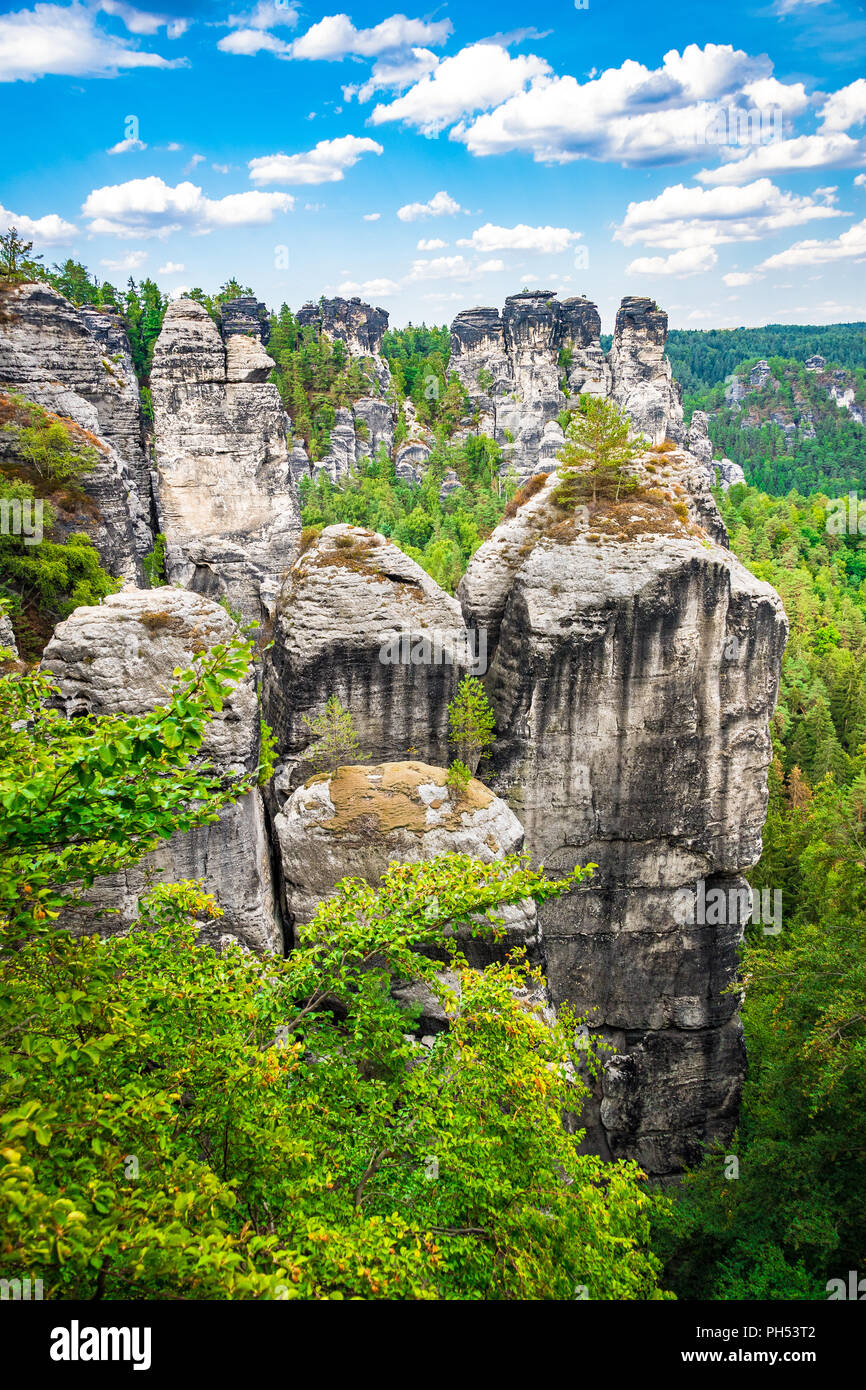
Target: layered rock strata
x=635, y=664
x=360, y=620
x=119, y=658
x=76, y=364
x=226, y=496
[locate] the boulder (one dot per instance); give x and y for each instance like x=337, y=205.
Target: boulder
x=642, y=382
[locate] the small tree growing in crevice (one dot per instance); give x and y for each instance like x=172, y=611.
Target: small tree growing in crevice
x=471, y=722
x=336, y=740
x=594, y=459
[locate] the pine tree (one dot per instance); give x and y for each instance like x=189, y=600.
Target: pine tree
x=336, y=742
x=597, y=450
x=471, y=722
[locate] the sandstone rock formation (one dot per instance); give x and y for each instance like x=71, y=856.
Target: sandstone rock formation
x=358, y=325
x=541, y=351
x=76, y=364
x=635, y=664
x=360, y=620
x=354, y=823
x=225, y=493
x=119, y=657
x=641, y=378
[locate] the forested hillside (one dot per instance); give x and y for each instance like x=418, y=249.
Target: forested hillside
x=703, y=357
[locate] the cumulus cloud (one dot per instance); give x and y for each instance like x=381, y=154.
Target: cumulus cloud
x=335, y=36
x=246, y=43
x=440, y=205
x=171, y=268
x=431, y=244
x=149, y=207
x=846, y=107
x=130, y=262
x=520, y=238
x=488, y=267
x=787, y=157
x=394, y=73
x=125, y=146
x=735, y=278
x=139, y=22
x=860, y=181
x=372, y=216
x=50, y=230
x=325, y=163
x=476, y=78
x=441, y=268
x=632, y=113
x=694, y=260
x=381, y=288
x=849, y=245
x=683, y=216
x=66, y=40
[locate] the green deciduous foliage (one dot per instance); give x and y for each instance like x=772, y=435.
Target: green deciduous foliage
x=182, y=1123
x=17, y=261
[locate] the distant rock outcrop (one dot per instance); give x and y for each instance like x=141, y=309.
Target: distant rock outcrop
x=76, y=364
x=119, y=658
x=226, y=496
x=635, y=666
x=360, y=620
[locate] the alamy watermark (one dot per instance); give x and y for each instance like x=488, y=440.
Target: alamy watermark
x=845, y=516
x=735, y=905
x=431, y=647
x=22, y=516
x=737, y=125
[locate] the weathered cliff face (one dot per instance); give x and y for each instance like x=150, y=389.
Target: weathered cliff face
x=641, y=378
x=76, y=363
x=635, y=665
x=358, y=619
x=225, y=493
x=119, y=658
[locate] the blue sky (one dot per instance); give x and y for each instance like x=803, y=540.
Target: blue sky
x=713, y=156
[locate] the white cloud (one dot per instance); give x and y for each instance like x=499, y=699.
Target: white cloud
x=50, y=230
x=381, y=288
x=335, y=36
x=431, y=244
x=441, y=268
x=266, y=16
x=632, y=114
x=694, y=260
x=489, y=267
x=787, y=157
x=860, y=181
x=476, y=78
x=245, y=43
x=841, y=248
x=734, y=278
x=194, y=160
x=221, y=168
x=394, y=73
x=124, y=146
x=520, y=238
x=683, y=216
x=171, y=268
x=372, y=216
x=138, y=22
x=701, y=314
x=846, y=107
x=767, y=92
x=130, y=262
x=66, y=40
x=440, y=205
x=325, y=163
x=149, y=207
